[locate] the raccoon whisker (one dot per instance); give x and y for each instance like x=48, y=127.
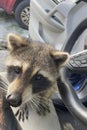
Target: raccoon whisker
x=44, y=98
x=36, y=99
x=39, y=103
x=39, y=99
x=3, y=89
x=40, y=109
x=35, y=102
x=3, y=86
x=31, y=105
x=53, y=112
x=44, y=101
x=34, y=105
x=45, y=104
x=48, y=107
x=42, y=106
x=3, y=83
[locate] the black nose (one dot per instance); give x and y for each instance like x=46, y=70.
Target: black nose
x=14, y=99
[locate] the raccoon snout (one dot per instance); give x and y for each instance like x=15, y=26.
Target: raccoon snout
x=14, y=99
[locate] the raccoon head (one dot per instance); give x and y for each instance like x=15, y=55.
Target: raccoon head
x=32, y=69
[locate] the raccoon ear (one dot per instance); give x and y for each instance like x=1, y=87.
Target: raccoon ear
x=60, y=58
x=14, y=41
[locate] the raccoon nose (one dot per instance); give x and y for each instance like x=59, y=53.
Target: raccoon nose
x=14, y=99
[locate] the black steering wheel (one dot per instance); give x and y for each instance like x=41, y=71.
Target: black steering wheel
x=70, y=98
x=67, y=92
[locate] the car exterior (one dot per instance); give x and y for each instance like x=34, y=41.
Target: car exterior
x=7, y=5
x=20, y=8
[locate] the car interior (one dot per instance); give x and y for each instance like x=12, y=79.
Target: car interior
x=64, y=26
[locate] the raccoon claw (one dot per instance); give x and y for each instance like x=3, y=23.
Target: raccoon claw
x=22, y=113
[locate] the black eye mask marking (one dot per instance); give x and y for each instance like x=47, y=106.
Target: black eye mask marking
x=13, y=72
x=40, y=83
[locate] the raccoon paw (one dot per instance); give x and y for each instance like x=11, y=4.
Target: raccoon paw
x=22, y=113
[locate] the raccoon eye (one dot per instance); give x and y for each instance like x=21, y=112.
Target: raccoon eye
x=39, y=77
x=17, y=70
x=40, y=83
x=13, y=72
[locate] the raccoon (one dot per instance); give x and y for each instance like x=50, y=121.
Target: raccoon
x=32, y=72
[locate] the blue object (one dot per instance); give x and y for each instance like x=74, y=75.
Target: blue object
x=77, y=80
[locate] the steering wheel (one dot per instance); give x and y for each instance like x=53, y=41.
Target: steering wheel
x=70, y=98
x=67, y=92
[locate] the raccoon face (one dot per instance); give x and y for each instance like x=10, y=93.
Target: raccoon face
x=32, y=70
